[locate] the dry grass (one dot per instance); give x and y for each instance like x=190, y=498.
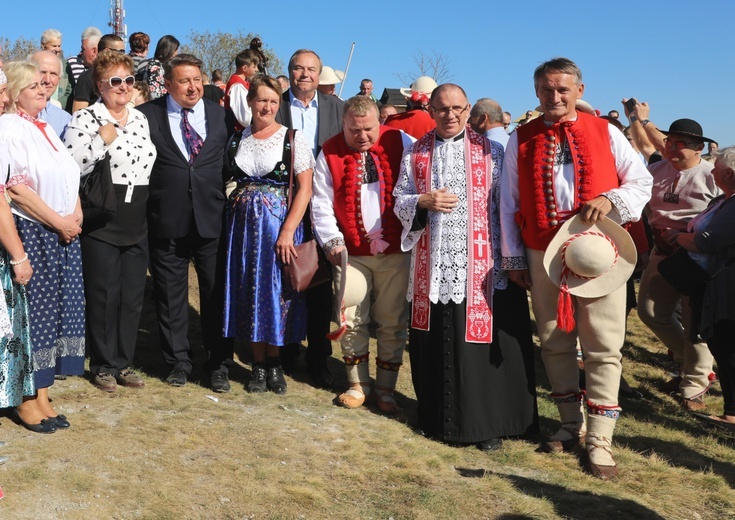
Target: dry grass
x=163, y=452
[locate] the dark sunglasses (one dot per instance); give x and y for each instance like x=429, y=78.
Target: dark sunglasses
x=116, y=81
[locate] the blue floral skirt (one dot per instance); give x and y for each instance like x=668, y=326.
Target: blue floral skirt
x=256, y=307
x=55, y=301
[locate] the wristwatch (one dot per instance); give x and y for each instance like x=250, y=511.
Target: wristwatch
x=644, y=122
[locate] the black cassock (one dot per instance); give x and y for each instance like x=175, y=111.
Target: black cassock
x=471, y=392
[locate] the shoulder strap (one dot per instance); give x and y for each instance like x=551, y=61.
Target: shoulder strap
x=290, y=136
x=232, y=144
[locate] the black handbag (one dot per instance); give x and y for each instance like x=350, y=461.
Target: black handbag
x=97, y=192
x=683, y=273
x=311, y=268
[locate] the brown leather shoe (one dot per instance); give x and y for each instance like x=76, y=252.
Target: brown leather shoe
x=603, y=472
x=130, y=378
x=670, y=386
x=558, y=442
x=693, y=405
x=354, y=396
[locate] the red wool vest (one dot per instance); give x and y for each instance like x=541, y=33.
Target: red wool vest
x=347, y=181
x=594, y=168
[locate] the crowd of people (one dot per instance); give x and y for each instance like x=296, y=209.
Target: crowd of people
x=436, y=221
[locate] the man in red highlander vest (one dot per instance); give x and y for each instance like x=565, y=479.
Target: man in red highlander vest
x=564, y=163
x=352, y=209
x=236, y=91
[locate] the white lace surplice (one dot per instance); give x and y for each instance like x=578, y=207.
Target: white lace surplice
x=448, y=230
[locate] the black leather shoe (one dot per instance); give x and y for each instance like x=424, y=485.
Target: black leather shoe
x=45, y=426
x=490, y=444
x=320, y=375
x=60, y=421
x=218, y=381
x=257, y=384
x=177, y=377
x=275, y=381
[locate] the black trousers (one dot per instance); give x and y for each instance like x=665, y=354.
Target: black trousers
x=319, y=317
x=114, y=285
x=722, y=346
x=170, y=259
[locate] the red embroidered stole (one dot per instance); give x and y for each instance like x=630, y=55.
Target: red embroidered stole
x=480, y=262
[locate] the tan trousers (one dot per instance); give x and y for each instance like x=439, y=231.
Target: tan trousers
x=387, y=278
x=657, y=303
x=601, y=330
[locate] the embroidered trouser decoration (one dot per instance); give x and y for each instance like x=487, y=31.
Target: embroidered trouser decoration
x=387, y=373
x=600, y=427
x=358, y=368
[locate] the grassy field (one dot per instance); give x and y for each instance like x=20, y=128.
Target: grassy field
x=165, y=453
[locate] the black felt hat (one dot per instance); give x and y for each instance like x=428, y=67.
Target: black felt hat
x=687, y=128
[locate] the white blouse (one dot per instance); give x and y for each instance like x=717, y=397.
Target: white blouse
x=258, y=157
x=132, y=153
x=26, y=155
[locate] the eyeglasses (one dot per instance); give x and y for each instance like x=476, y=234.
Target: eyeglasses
x=679, y=145
x=444, y=111
x=116, y=81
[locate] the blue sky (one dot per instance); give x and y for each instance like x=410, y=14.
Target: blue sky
x=674, y=54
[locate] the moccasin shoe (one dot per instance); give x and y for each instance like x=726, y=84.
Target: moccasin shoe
x=670, y=386
x=386, y=402
x=353, y=397
x=695, y=404
x=129, y=377
x=600, y=462
x=105, y=381
x=275, y=381
x=563, y=441
x=257, y=384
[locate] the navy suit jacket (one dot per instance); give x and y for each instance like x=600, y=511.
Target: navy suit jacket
x=180, y=193
x=329, y=118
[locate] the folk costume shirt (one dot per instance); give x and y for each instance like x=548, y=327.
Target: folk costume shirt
x=40, y=161
x=448, y=230
x=628, y=199
x=322, y=202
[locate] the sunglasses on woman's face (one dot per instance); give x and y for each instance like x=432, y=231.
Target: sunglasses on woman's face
x=116, y=81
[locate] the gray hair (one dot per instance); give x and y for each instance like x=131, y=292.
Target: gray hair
x=726, y=156
x=91, y=33
x=304, y=51
x=563, y=65
x=50, y=34
x=32, y=58
x=489, y=108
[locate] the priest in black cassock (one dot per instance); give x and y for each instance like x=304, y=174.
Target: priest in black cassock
x=470, y=344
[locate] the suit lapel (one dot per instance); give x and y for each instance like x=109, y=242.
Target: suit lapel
x=285, y=110
x=165, y=126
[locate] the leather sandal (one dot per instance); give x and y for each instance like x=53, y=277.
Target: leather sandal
x=354, y=396
x=385, y=400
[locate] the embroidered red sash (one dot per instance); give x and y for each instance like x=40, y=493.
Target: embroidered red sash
x=479, y=321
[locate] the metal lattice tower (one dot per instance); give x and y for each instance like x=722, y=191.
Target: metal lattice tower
x=117, y=19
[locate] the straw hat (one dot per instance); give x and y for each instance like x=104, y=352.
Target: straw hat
x=421, y=85
x=329, y=76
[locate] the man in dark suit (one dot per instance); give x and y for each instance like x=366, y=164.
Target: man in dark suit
x=319, y=117
x=185, y=209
